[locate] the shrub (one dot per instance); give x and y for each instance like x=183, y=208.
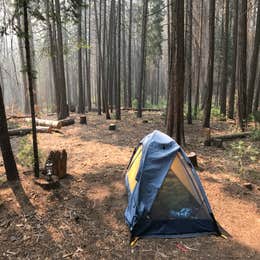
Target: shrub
x=255, y=135
x=25, y=154
x=243, y=152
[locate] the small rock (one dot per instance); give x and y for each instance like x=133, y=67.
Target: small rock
x=248, y=185
x=13, y=238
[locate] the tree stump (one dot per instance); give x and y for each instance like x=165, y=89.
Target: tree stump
x=83, y=120
x=72, y=109
x=58, y=160
x=193, y=158
x=112, y=127
x=217, y=142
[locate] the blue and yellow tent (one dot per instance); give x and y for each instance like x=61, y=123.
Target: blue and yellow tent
x=165, y=195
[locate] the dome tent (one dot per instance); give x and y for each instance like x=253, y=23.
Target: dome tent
x=165, y=195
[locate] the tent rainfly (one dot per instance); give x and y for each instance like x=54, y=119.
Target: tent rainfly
x=165, y=196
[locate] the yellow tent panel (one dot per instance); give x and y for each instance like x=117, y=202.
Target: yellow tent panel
x=133, y=168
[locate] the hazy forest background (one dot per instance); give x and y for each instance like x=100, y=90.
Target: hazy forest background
x=93, y=78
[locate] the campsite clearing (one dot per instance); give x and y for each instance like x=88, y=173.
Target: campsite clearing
x=84, y=217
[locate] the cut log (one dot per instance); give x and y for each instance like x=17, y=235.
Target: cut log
x=45, y=122
x=58, y=160
x=193, y=158
x=83, y=120
x=25, y=131
x=67, y=121
x=112, y=127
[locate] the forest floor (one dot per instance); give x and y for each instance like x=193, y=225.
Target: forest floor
x=84, y=217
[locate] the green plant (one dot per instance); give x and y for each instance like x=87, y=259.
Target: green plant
x=255, y=135
x=25, y=153
x=134, y=103
x=243, y=152
x=12, y=124
x=215, y=111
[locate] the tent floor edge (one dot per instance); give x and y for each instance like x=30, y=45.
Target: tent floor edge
x=216, y=225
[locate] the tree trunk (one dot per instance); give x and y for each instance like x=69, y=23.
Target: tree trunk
x=231, y=100
x=23, y=69
x=253, y=65
x=53, y=55
x=209, y=91
x=179, y=72
x=88, y=59
x=34, y=72
x=189, y=60
x=30, y=84
x=7, y=153
x=118, y=85
x=257, y=95
x=81, y=108
x=143, y=58
x=242, y=64
x=98, y=60
x=196, y=105
x=63, y=111
x=171, y=75
x=124, y=53
x=224, y=83
x=129, y=85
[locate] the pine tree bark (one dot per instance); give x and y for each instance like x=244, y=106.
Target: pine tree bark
x=23, y=69
x=118, y=85
x=63, y=111
x=196, y=105
x=88, y=59
x=231, y=100
x=171, y=57
x=98, y=31
x=129, y=81
x=124, y=53
x=253, y=64
x=189, y=60
x=224, y=81
x=53, y=52
x=242, y=64
x=210, y=76
x=179, y=72
x=30, y=85
x=81, y=108
x=257, y=95
x=7, y=153
x=143, y=59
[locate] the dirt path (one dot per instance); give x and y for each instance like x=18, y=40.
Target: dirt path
x=84, y=217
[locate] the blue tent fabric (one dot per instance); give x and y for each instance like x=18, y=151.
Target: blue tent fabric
x=158, y=153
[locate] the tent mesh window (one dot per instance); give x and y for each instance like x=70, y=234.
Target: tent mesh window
x=178, y=198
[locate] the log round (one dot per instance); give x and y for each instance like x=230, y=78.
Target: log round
x=83, y=120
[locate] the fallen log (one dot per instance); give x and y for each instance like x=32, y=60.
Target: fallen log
x=231, y=136
x=219, y=139
x=25, y=131
x=144, y=109
x=18, y=117
x=46, y=122
x=67, y=121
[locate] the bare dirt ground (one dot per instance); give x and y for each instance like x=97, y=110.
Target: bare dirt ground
x=84, y=217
